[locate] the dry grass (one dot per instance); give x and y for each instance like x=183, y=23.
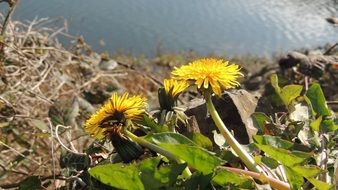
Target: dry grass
x=39, y=74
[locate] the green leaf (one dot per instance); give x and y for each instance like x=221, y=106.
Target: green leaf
x=284, y=156
x=318, y=102
x=118, y=175
x=328, y=125
x=200, y=140
x=259, y=120
x=155, y=127
x=315, y=125
x=274, y=141
x=274, y=83
x=287, y=93
x=224, y=177
x=290, y=92
x=295, y=180
x=307, y=171
x=196, y=157
x=169, y=137
x=155, y=176
x=148, y=174
x=230, y=157
x=295, y=176
x=320, y=185
x=199, y=181
x=270, y=162
x=32, y=182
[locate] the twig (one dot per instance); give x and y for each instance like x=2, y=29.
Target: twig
x=53, y=160
x=8, y=17
x=14, y=171
x=19, y=153
x=44, y=76
x=332, y=102
x=14, y=185
x=97, y=77
x=152, y=79
x=330, y=49
x=61, y=143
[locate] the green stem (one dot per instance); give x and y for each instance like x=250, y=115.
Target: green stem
x=242, y=154
x=153, y=147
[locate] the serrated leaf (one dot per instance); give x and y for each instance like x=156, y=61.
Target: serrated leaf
x=32, y=182
x=274, y=83
x=270, y=162
x=274, y=141
x=315, y=125
x=259, y=120
x=328, y=125
x=155, y=176
x=230, y=157
x=307, y=171
x=149, y=174
x=196, y=157
x=169, y=137
x=155, y=127
x=199, y=181
x=284, y=156
x=290, y=92
x=118, y=176
x=320, y=185
x=318, y=102
x=200, y=140
x=224, y=177
x=295, y=180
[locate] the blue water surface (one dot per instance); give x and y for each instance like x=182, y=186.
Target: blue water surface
x=224, y=27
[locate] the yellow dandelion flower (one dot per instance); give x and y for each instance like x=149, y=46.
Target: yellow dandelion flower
x=115, y=111
x=175, y=87
x=215, y=73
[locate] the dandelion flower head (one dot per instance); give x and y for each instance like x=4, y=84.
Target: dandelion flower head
x=175, y=87
x=115, y=111
x=205, y=73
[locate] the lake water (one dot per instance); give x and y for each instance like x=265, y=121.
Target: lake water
x=225, y=27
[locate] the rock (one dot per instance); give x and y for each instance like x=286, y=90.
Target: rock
x=292, y=59
x=313, y=64
x=235, y=108
x=108, y=65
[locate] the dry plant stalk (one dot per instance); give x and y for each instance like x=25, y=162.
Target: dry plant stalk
x=40, y=71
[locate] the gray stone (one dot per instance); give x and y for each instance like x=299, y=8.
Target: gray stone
x=234, y=107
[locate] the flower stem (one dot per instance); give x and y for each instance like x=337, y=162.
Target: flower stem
x=242, y=154
x=275, y=183
x=186, y=173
